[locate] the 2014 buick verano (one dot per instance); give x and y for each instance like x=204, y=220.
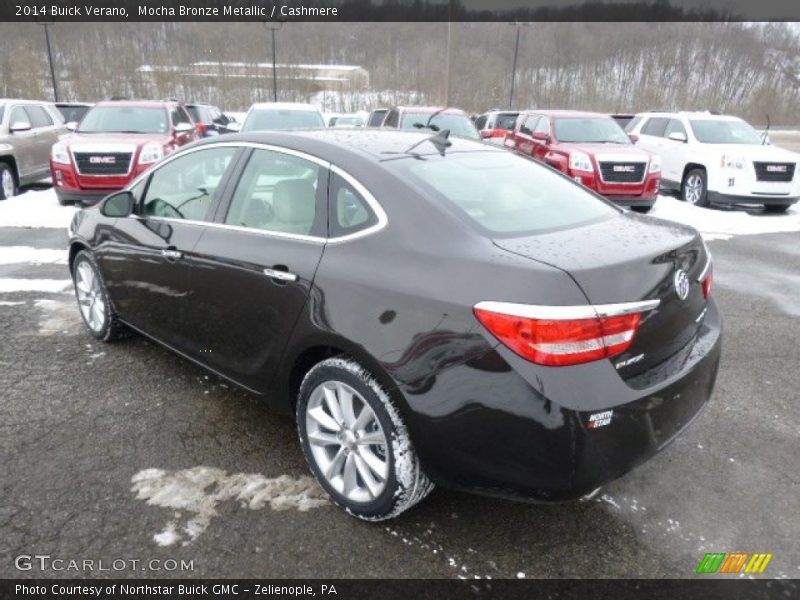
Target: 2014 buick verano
x=430, y=310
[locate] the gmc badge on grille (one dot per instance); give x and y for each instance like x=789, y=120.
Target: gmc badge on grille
x=624, y=168
x=102, y=159
x=776, y=168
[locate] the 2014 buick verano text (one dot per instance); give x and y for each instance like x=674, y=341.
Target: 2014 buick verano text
x=430, y=310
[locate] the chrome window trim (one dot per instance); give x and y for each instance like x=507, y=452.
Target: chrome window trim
x=564, y=313
x=359, y=187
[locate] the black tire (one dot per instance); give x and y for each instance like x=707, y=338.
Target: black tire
x=692, y=177
x=7, y=171
x=406, y=483
x=63, y=201
x=775, y=208
x=111, y=328
x=642, y=209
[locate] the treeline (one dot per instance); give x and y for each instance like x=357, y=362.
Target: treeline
x=747, y=69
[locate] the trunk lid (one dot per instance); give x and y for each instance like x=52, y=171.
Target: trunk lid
x=626, y=259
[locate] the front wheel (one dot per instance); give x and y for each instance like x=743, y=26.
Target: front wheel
x=93, y=300
x=8, y=182
x=356, y=443
x=642, y=209
x=694, y=188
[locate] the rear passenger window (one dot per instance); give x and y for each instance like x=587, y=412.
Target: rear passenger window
x=350, y=212
x=392, y=119
x=187, y=187
x=277, y=192
x=38, y=117
x=655, y=126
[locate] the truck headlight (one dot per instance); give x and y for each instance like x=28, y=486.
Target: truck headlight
x=732, y=161
x=151, y=153
x=655, y=164
x=580, y=161
x=59, y=154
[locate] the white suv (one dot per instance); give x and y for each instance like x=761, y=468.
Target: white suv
x=718, y=159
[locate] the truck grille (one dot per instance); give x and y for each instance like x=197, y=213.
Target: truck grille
x=769, y=171
x=103, y=163
x=622, y=172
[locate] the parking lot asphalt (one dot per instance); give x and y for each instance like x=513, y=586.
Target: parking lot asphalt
x=83, y=424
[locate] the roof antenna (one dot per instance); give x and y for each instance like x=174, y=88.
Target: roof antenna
x=439, y=140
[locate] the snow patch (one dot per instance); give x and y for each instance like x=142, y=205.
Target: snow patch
x=10, y=255
x=34, y=285
x=35, y=208
x=5, y=303
x=58, y=316
x=721, y=224
x=199, y=490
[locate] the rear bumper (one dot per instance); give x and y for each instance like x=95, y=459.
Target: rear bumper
x=718, y=198
x=492, y=428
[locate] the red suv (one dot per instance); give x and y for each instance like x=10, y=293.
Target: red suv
x=113, y=144
x=592, y=149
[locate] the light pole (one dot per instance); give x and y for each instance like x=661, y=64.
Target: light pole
x=50, y=61
x=274, y=26
x=518, y=25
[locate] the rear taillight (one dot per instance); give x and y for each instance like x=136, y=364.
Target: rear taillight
x=707, y=282
x=563, y=341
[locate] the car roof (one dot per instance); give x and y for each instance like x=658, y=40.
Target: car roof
x=566, y=113
x=137, y=103
x=431, y=109
x=698, y=115
x=284, y=106
x=335, y=144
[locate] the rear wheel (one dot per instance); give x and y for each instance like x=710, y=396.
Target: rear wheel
x=641, y=209
x=775, y=208
x=8, y=182
x=694, y=189
x=356, y=443
x=93, y=301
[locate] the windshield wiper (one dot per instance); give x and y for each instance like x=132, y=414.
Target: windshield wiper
x=428, y=122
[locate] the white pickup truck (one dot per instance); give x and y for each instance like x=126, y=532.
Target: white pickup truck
x=718, y=159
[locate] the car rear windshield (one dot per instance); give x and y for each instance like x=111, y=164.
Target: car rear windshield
x=271, y=119
x=125, y=119
x=506, y=121
x=590, y=130
x=719, y=131
x=457, y=124
x=502, y=194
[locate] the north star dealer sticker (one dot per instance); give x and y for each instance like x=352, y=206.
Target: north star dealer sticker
x=600, y=419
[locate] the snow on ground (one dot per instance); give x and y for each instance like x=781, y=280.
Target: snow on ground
x=35, y=208
x=11, y=255
x=723, y=224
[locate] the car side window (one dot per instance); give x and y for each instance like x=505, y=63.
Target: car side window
x=632, y=124
x=349, y=211
x=674, y=126
x=655, y=126
x=18, y=115
x=187, y=187
x=528, y=125
x=480, y=122
x=542, y=126
x=277, y=192
x=180, y=116
x=392, y=119
x=38, y=116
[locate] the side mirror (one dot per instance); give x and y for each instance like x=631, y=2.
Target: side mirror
x=19, y=126
x=633, y=137
x=677, y=136
x=183, y=127
x=72, y=126
x=541, y=136
x=202, y=128
x=118, y=205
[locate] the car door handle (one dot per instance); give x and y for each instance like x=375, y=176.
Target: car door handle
x=171, y=254
x=280, y=275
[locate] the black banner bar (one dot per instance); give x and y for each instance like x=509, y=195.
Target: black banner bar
x=399, y=10
x=416, y=589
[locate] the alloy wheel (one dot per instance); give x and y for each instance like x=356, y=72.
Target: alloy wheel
x=90, y=297
x=7, y=183
x=694, y=189
x=347, y=441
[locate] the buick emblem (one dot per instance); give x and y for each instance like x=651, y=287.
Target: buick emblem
x=681, y=283
x=102, y=159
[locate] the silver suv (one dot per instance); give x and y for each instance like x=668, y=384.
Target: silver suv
x=28, y=129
